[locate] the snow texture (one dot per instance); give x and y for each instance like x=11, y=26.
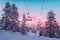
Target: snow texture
x=7, y=35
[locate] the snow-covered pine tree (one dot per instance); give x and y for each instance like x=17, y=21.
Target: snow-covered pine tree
x=4, y=20
x=9, y=19
x=14, y=15
x=23, y=28
x=51, y=24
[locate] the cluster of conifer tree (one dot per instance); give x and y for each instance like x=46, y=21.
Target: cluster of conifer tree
x=51, y=26
x=10, y=22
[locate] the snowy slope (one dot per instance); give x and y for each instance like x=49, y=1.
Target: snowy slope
x=5, y=35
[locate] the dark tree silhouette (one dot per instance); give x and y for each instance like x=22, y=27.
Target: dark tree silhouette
x=14, y=17
x=4, y=20
x=23, y=28
x=51, y=24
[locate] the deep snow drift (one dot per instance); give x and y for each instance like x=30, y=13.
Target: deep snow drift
x=5, y=35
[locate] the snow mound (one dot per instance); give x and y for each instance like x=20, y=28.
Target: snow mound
x=5, y=35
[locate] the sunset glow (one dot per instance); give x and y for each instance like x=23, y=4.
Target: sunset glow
x=34, y=7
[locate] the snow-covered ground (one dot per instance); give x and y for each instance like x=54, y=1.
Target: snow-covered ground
x=5, y=35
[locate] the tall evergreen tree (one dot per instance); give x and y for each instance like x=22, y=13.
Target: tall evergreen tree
x=23, y=28
x=51, y=24
x=4, y=20
x=14, y=15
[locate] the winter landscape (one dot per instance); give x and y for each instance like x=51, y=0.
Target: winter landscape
x=29, y=20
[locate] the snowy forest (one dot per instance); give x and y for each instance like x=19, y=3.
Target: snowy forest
x=10, y=22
